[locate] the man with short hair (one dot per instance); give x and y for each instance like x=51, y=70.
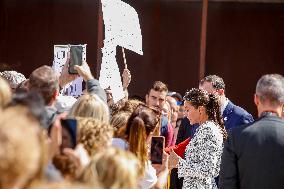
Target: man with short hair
x=156, y=96
x=45, y=81
x=156, y=99
x=253, y=154
x=233, y=115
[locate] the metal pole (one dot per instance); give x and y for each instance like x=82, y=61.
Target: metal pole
x=99, y=40
x=203, y=39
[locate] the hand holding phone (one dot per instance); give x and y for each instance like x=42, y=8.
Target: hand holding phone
x=173, y=160
x=157, y=148
x=76, y=58
x=84, y=71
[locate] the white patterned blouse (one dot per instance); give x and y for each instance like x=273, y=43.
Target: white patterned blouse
x=202, y=158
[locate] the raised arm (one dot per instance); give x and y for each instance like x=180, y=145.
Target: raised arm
x=92, y=84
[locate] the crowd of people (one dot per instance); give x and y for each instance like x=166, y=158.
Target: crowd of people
x=49, y=140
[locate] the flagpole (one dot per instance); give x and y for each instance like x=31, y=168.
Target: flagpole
x=99, y=40
x=124, y=59
x=202, y=59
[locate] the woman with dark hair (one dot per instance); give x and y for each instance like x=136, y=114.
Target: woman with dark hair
x=203, y=153
x=139, y=130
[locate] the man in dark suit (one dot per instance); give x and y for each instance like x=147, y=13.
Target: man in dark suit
x=233, y=115
x=253, y=154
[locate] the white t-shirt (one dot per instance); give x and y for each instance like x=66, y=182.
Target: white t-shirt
x=119, y=143
x=150, y=177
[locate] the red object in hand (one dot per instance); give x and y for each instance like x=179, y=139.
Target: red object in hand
x=179, y=149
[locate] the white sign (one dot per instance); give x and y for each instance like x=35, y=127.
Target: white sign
x=122, y=28
x=122, y=25
x=60, y=56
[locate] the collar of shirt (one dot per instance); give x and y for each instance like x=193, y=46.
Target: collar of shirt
x=223, y=107
x=268, y=113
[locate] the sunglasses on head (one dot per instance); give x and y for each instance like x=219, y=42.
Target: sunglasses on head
x=143, y=106
x=179, y=103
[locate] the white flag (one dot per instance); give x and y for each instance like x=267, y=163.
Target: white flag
x=60, y=56
x=122, y=28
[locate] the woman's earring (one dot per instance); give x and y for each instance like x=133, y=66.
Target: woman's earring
x=199, y=116
x=199, y=112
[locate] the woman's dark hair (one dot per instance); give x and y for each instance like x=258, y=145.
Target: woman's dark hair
x=199, y=97
x=141, y=123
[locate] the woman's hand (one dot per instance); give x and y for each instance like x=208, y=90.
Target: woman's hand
x=126, y=78
x=164, y=166
x=173, y=160
x=84, y=71
x=65, y=77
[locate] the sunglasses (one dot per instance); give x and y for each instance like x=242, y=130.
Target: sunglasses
x=179, y=103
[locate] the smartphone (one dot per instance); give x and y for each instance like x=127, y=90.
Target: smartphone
x=69, y=133
x=157, y=148
x=76, y=58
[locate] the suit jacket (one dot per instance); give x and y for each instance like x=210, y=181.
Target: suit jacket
x=235, y=116
x=253, y=155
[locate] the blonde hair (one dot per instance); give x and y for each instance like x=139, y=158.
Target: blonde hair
x=113, y=169
x=5, y=93
x=94, y=134
x=128, y=106
x=20, y=152
x=61, y=185
x=90, y=105
x=119, y=121
x=65, y=165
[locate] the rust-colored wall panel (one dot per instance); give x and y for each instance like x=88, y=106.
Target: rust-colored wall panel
x=171, y=33
x=32, y=27
x=244, y=40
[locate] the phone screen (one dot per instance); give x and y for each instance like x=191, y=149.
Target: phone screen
x=75, y=58
x=157, y=147
x=69, y=133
